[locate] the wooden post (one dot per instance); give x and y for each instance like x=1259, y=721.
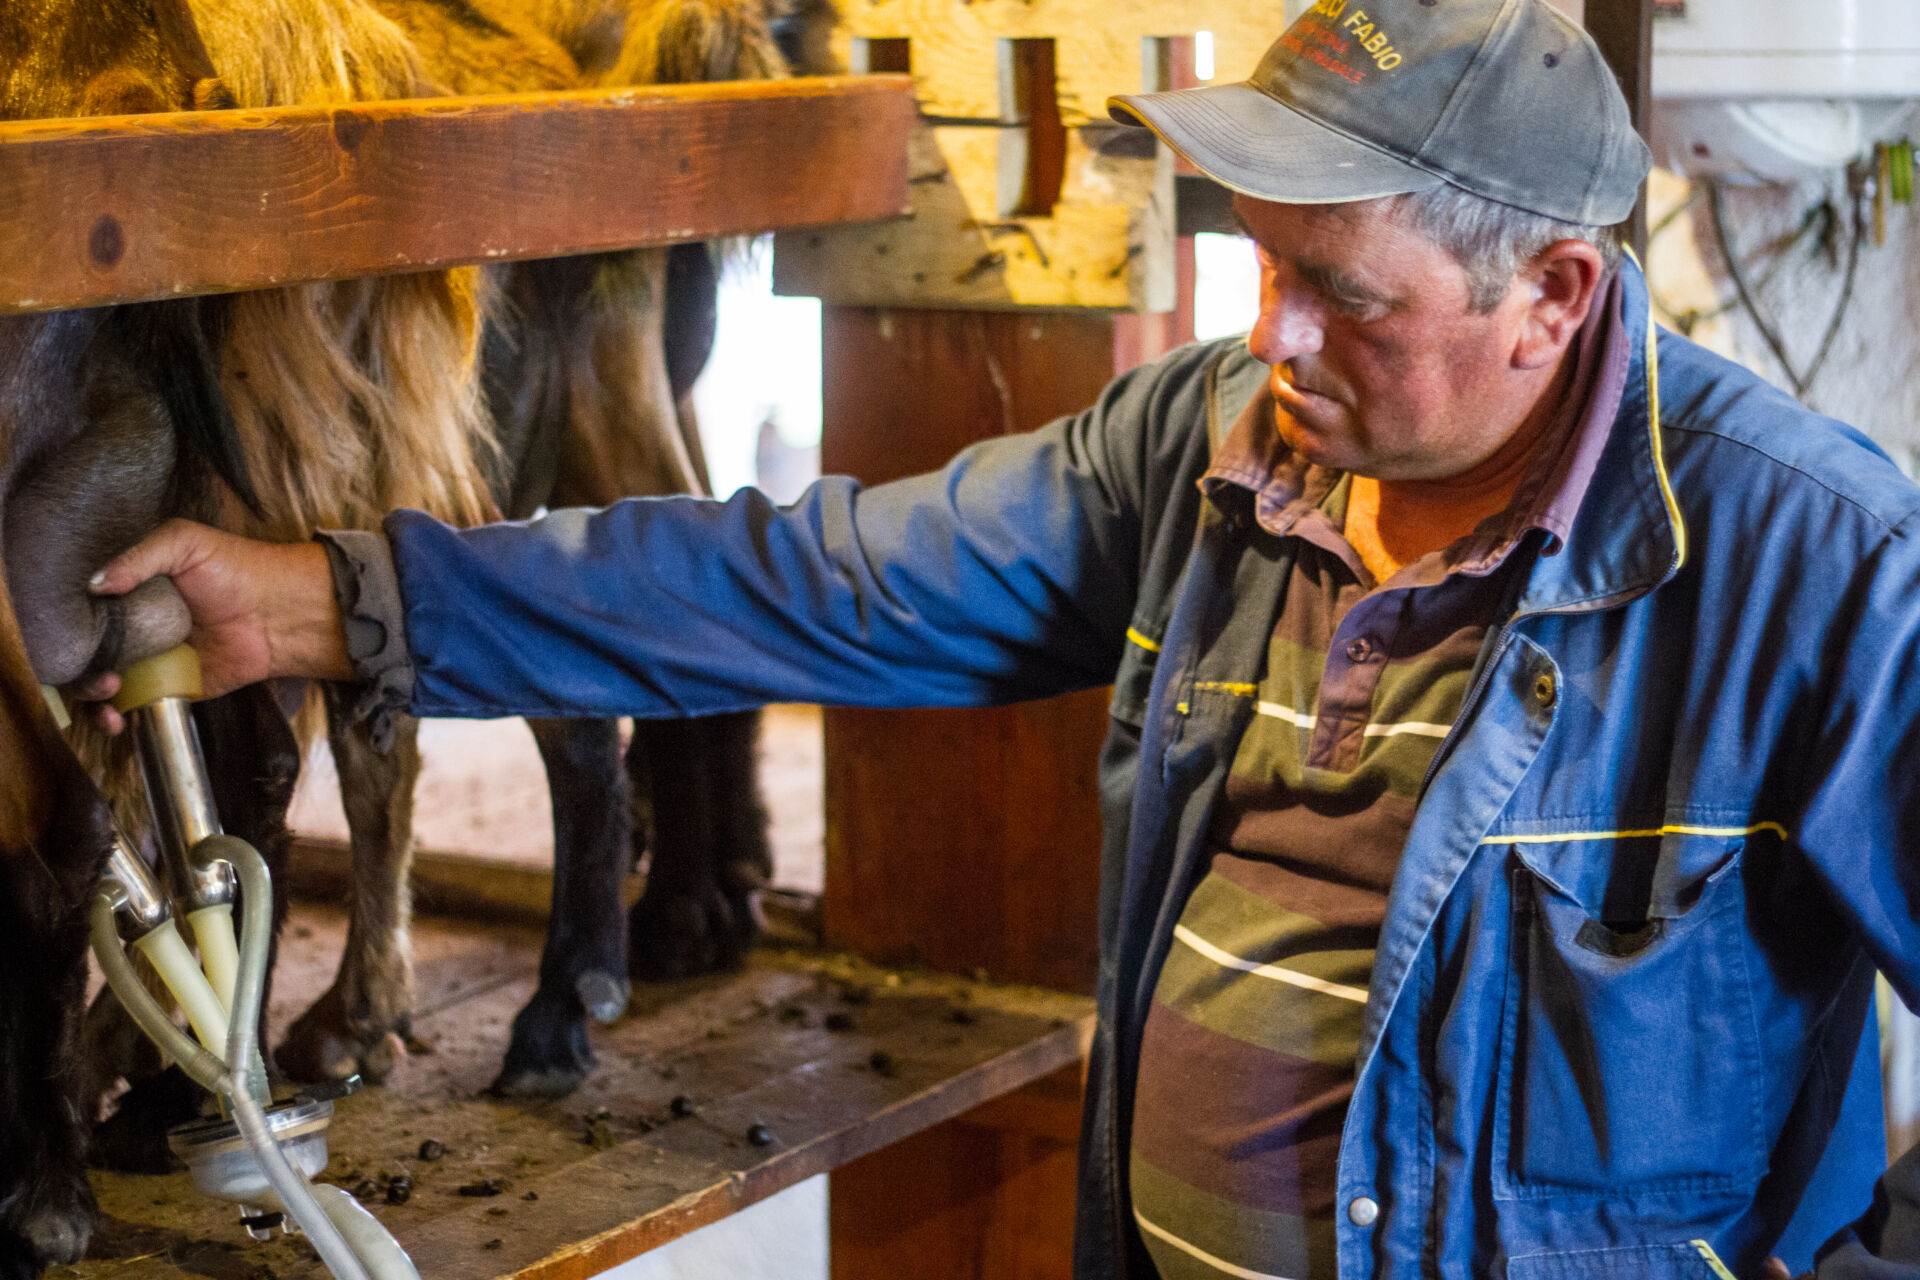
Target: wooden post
x=1624, y=31
x=969, y=840
x=963, y=839
x=986, y=1196
x=1139, y=338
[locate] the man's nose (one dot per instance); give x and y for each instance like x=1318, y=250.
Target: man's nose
x=1291, y=324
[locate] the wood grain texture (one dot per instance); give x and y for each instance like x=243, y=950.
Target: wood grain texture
x=120, y=209
x=1106, y=245
x=1108, y=242
x=748, y=1048
x=961, y=839
x=1101, y=45
x=986, y=1195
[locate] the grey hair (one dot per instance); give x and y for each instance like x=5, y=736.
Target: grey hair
x=1493, y=241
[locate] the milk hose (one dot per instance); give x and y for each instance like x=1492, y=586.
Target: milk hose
x=350, y=1241
x=211, y=1073
x=256, y=930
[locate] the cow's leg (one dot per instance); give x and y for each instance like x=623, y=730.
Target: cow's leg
x=709, y=846
x=46, y=886
x=46, y=1207
x=584, y=965
x=360, y=1023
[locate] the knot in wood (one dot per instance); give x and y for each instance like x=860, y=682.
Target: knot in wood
x=348, y=128
x=106, y=243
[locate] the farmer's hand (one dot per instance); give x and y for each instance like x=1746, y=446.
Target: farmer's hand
x=259, y=609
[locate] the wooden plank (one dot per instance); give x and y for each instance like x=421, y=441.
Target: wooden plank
x=120, y=209
x=1107, y=244
x=990, y=1194
x=982, y=852
x=1102, y=46
x=751, y=1048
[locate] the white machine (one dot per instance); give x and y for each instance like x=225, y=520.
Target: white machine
x=1780, y=90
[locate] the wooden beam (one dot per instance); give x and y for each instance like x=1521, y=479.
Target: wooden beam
x=132, y=208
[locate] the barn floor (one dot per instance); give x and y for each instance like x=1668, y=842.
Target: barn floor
x=835, y=1057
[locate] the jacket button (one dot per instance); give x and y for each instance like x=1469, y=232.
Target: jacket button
x=1544, y=691
x=1358, y=650
x=1362, y=1211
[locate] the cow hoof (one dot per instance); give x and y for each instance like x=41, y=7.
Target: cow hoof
x=602, y=995
x=43, y=1226
x=324, y=1044
x=548, y=1055
x=686, y=933
x=58, y=1239
x=134, y=1138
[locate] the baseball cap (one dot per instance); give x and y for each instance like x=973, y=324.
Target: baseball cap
x=1507, y=99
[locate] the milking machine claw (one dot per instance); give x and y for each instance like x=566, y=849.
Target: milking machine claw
x=257, y=1155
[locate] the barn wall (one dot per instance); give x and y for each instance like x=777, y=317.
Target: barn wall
x=1872, y=377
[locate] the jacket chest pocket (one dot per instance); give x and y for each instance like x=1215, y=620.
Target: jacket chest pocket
x=1691, y=1260
x=1630, y=1056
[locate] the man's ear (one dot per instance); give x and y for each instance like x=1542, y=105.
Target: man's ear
x=1560, y=283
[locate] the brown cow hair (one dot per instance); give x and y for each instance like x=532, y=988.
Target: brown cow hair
x=356, y=397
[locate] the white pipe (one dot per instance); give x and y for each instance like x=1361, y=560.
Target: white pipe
x=206, y=1070
x=256, y=929
x=350, y=1241
x=219, y=956
x=167, y=952
x=214, y=932
x=289, y=1188
x=382, y=1254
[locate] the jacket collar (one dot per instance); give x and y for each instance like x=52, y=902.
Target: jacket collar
x=1628, y=536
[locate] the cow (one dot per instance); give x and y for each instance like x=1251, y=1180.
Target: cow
x=79, y=392
x=276, y=413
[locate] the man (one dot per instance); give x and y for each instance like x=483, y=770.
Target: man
x=1504, y=803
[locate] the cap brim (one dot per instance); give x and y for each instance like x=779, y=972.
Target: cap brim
x=1259, y=146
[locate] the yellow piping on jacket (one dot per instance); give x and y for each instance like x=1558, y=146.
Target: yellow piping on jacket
x=1653, y=433
x=1673, y=829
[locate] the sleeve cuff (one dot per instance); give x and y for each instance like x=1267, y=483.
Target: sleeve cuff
x=367, y=589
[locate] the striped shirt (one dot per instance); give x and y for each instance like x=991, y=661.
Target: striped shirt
x=1249, y=1055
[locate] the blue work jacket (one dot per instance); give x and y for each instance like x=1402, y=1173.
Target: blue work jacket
x=1619, y=1017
